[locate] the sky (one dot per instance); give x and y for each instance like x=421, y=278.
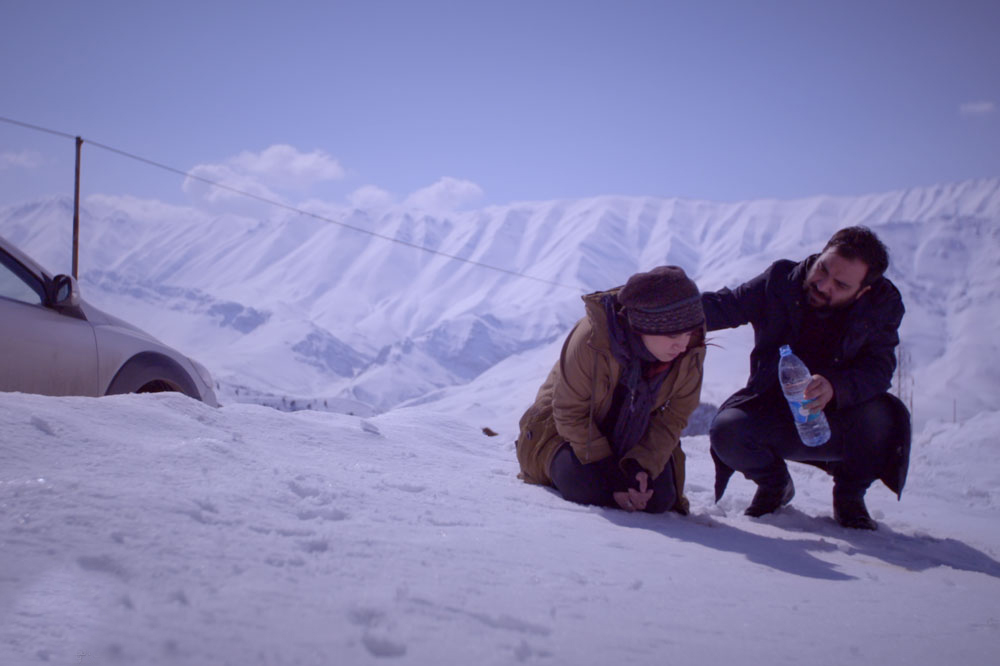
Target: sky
x=468, y=104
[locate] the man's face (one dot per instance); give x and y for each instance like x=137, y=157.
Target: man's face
x=835, y=282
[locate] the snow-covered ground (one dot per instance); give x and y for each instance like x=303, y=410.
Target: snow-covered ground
x=156, y=530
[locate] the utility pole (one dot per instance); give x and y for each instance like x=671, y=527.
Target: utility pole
x=76, y=213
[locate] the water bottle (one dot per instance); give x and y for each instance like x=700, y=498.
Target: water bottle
x=795, y=376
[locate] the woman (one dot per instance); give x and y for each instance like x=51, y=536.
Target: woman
x=605, y=427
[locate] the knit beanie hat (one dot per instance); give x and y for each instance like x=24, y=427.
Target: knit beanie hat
x=664, y=301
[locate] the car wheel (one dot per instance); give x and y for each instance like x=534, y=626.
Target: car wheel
x=152, y=373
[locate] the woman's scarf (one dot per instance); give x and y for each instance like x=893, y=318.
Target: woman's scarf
x=635, y=409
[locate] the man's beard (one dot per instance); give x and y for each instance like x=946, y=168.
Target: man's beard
x=816, y=299
x=822, y=303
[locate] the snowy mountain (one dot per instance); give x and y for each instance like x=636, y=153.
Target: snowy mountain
x=153, y=529
x=300, y=308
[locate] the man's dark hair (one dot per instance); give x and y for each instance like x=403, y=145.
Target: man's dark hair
x=861, y=243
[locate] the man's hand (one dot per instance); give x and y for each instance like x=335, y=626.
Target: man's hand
x=635, y=500
x=820, y=392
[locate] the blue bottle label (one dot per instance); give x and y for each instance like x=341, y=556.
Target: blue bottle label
x=800, y=410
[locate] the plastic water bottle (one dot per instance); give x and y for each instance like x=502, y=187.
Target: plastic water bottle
x=795, y=376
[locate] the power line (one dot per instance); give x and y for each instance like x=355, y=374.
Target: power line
x=282, y=205
x=36, y=127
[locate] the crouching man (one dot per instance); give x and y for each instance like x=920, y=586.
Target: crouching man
x=841, y=316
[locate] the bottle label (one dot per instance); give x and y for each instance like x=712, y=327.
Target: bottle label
x=800, y=410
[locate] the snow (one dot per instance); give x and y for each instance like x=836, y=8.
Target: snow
x=156, y=530
x=385, y=525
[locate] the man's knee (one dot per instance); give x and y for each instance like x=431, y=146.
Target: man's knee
x=727, y=432
x=875, y=420
x=870, y=432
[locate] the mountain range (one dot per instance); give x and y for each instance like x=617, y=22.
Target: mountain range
x=341, y=309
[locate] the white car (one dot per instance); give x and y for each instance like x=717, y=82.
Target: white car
x=54, y=343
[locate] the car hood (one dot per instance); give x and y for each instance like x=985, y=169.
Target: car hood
x=98, y=317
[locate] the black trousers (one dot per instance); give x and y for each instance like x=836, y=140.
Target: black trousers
x=757, y=437
x=595, y=482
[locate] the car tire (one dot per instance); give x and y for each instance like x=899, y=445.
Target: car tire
x=152, y=373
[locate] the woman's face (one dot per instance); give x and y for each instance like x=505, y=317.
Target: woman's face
x=666, y=347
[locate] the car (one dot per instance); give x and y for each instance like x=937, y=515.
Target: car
x=53, y=342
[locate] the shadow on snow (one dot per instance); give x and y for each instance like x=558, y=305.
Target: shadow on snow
x=793, y=556
x=796, y=556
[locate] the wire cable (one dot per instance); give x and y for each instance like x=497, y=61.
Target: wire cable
x=285, y=206
x=37, y=128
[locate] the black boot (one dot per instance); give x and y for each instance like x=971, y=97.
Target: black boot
x=769, y=499
x=850, y=511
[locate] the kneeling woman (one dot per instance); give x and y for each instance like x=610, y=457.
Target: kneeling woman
x=605, y=427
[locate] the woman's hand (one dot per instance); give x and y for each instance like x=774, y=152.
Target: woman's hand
x=635, y=499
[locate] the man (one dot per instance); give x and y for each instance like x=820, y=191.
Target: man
x=841, y=317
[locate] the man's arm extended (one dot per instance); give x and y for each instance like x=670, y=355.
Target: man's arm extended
x=729, y=308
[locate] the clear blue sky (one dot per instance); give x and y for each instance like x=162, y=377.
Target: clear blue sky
x=528, y=100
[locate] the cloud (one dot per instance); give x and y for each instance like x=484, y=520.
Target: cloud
x=369, y=197
x=232, y=179
x=267, y=174
x=24, y=159
x=284, y=167
x=446, y=195
x=281, y=174
x=970, y=109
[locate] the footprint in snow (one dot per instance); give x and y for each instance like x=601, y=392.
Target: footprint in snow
x=524, y=652
x=381, y=646
x=303, y=490
x=405, y=487
x=102, y=564
x=376, y=637
x=315, y=546
x=43, y=426
x=327, y=515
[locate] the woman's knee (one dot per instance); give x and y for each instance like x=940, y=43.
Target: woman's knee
x=662, y=501
x=579, y=494
x=664, y=489
x=578, y=483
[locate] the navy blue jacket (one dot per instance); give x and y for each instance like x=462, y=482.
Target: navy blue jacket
x=774, y=303
x=863, y=362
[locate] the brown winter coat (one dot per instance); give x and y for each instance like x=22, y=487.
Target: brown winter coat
x=577, y=396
